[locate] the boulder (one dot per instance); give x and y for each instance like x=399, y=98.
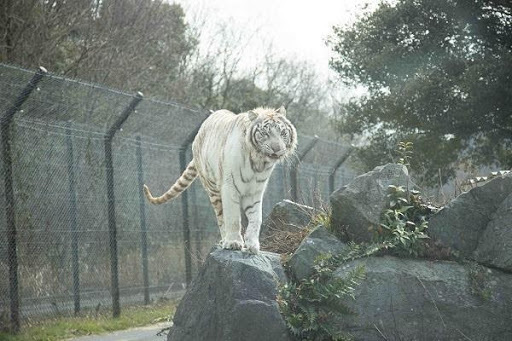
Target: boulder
x=286, y=215
x=232, y=298
x=408, y=299
x=461, y=223
x=319, y=241
x=494, y=247
x=285, y=227
x=358, y=206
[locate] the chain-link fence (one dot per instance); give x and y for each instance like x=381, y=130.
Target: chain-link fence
x=75, y=230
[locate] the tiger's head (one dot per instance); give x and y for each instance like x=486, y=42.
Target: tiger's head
x=271, y=133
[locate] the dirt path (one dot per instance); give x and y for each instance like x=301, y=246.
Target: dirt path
x=147, y=333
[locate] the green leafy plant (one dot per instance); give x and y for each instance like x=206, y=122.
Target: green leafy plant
x=404, y=223
x=405, y=150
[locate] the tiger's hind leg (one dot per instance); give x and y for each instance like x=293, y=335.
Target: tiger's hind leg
x=216, y=202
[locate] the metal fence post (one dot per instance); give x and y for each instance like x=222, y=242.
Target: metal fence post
x=73, y=219
x=336, y=166
x=184, y=204
x=116, y=310
x=143, y=229
x=5, y=124
x=294, y=167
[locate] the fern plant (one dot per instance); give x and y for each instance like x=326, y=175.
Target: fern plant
x=312, y=305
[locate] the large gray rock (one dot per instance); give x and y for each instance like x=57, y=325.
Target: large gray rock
x=462, y=222
x=319, y=241
x=406, y=299
x=286, y=215
x=495, y=245
x=357, y=207
x=232, y=298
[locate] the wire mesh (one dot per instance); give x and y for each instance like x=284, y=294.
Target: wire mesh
x=59, y=180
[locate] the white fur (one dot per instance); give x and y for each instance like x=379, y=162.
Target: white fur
x=222, y=155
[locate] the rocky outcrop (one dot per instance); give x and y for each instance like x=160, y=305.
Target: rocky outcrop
x=234, y=294
x=406, y=299
x=461, y=224
x=232, y=298
x=357, y=207
x=318, y=242
x=411, y=299
x=286, y=216
x=495, y=245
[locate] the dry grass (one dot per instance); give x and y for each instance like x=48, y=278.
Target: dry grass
x=284, y=242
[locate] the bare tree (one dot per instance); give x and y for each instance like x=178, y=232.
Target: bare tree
x=129, y=44
x=147, y=45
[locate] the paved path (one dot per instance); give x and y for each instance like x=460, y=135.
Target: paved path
x=147, y=333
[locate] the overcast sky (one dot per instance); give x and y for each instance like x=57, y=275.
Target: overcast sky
x=297, y=28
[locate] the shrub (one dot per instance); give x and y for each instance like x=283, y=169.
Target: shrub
x=404, y=223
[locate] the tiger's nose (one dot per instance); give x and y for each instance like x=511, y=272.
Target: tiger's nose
x=275, y=147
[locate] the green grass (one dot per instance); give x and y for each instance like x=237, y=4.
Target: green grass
x=67, y=327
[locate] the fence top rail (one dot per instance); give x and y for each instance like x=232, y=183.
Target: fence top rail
x=167, y=123
x=56, y=77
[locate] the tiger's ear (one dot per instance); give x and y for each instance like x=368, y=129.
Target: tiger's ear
x=282, y=110
x=252, y=115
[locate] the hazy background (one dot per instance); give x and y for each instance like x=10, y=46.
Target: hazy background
x=295, y=29
x=367, y=73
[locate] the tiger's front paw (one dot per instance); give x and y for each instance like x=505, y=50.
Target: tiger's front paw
x=232, y=244
x=252, y=245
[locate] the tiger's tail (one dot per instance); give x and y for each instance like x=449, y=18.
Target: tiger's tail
x=185, y=180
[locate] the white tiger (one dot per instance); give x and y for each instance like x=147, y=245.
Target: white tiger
x=234, y=155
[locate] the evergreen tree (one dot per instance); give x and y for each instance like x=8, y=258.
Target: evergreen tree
x=439, y=74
